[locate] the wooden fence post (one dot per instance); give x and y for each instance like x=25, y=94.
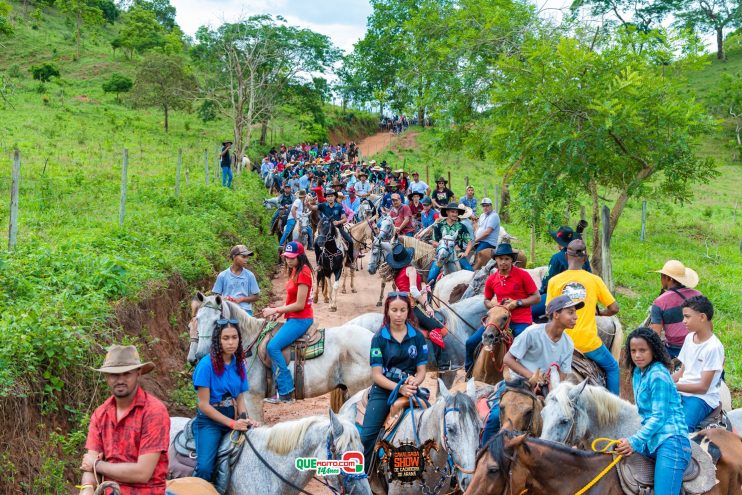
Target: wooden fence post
x=217, y=165
x=177, y=173
x=583, y=214
x=187, y=174
x=607, y=267
x=643, y=234
x=124, y=171
x=14, y=189
x=427, y=175
x=497, y=198
x=466, y=180
x=533, y=242
x=450, y=184
x=206, y=166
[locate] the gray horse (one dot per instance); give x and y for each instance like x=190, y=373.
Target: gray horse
x=279, y=445
x=342, y=367
x=453, y=424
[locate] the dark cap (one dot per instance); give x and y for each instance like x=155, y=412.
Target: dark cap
x=577, y=249
x=562, y=302
x=240, y=249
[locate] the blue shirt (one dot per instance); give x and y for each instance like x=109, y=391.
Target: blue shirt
x=304, y=182
x=407, y=355
x=353, y=205
x=334, y=212
x=659, y=406
x=492, y=221
x=427, y=219
x=471, y=203
x=363, y=187
x=229, y=384
x=242, y=285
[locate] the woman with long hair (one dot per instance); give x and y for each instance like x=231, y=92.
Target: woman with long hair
x=299, y=317
x=399, y=354
x=664, y=434
x=220, y=379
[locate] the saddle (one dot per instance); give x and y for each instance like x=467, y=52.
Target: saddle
x=396, y=413
x=309, y=346
x=584, y=367
x=716, y=419
x=636, y=473
x=182, y=456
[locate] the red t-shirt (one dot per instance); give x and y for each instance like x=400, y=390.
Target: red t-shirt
x=403, y=281
x=416, y=210
x=320, y=194
x=292, y=288
x=517, y=285
x=399, y=214
x=144, y=429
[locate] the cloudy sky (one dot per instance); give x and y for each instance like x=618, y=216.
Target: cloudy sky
x=343, y=21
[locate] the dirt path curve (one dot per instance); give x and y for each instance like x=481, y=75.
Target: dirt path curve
x=385, y=140
x=350, y=305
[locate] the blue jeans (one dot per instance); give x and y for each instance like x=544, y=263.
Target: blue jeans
x=473, y=341
x=484, y=245
x=227, y=176
x=671, y=459
x=289, y=332
x=695, y=410
x=208, y=434
x=539, y=309
x=672, y=350
x=290, y=223
x=373, y=420
x=492, y=423
x=605, y=360
x=435, y=269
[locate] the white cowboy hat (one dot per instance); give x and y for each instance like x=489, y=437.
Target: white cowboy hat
x=467, y=211
x=679, y=272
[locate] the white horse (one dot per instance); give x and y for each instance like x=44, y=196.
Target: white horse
x=445, y=255
x=281, y=444
x=342, y=367
x=453, y=424
x=578, y=414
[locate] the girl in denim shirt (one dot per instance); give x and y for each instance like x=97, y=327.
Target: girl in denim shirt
x=663, y=435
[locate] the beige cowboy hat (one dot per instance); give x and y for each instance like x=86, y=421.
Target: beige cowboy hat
x=467, y=211
x=377, y=168
x=679, y=272
x=123, y=358
x=347, y=173
x=372, y=162
x=398, y=171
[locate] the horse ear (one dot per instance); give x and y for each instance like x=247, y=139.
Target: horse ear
x=200, y=296
x=219, y=300
x=536, y=377
x=442, y=390
x=574, y=394
x=337, y=426
x=516, y=440
x=471, y=389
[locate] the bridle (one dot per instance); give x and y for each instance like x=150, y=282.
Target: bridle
x=502, y=336
x=536, y=404
x=452, y=465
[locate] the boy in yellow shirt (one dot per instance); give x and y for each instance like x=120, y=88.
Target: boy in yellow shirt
x=581, y=285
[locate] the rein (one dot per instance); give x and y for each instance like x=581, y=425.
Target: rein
x=272, y=470
x=441, y=301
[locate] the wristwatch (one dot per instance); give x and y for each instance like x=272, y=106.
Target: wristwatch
x=519, y=303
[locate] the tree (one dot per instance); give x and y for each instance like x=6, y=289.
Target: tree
x=110, y=11
x=85, y=12
x=163, y=11
x=44, y=72
x=164, y=81
x=727, y=100
x=141, y=31
x=5, y=27
x=250, y=63
x=712, y=16
x=118, y=84
x=591, y=114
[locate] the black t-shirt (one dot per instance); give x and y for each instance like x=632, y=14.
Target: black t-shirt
x=226, y=158
x=442, y=197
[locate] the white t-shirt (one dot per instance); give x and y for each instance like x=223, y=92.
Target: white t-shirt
x=534, y=349
x=299, y=205
x=697, y=358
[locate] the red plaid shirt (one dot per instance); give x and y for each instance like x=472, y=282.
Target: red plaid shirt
x=144, y=429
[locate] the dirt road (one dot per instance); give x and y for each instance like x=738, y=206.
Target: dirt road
x=386, y=140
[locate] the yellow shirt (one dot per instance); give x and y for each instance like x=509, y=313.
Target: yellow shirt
x=584, y=286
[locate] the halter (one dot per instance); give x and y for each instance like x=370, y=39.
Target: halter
x=452, y=465
x=534, y=398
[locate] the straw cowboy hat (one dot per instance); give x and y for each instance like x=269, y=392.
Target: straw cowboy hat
x=467, y=211
x=398, y=171
x=123, y=358
x=372, y=162
x=376, y=168
x=680, y=273
x=361, y=173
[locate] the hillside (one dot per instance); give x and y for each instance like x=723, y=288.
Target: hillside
x=78, y=281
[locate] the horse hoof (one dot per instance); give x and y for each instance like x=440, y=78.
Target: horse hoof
x=344, y=291
x=378, y=303
x=327, y=301
x=353, y=291
x=332, y=310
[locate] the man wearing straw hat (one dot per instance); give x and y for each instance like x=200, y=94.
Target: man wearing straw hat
x=666, y=314
x=129, y=433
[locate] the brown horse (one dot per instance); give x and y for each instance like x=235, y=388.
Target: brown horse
x=520, y=406
x=729, y=467
x=496, y=341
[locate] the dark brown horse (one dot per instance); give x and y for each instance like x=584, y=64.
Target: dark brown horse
x=496, y=341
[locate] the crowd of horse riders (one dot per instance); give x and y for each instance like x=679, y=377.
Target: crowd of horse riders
x=128, y=441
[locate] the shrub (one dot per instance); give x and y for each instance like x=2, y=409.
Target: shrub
x=44, y=72
x=207, y=111
x=118, y=84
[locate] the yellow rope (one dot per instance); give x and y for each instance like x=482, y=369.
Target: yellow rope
x=609, y=443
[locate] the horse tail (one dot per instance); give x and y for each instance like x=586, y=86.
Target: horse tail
x=338, y=396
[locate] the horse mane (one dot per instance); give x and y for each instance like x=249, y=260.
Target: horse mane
x=497, y=449
x=606, y=406
x=249, y=326
x=465, y=405
x=519, y=383
x=284, y=437
x=424, y=252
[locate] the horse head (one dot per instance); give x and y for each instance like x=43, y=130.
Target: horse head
x=496, y=326
x=477, y=281
x=342, y=436
x=495, y=465
x=325, y=231
x=520, y=407
x=379, y=249
x=209, y=311
x=445, y=251
x=459, y=429
x=386, y=227
x=565, y=418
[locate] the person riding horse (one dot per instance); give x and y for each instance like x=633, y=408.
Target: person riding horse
x=455, y=229
x=285, y=200
x=335, y=212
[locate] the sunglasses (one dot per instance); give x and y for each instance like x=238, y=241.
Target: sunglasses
x=398, y=294
x=224, y=322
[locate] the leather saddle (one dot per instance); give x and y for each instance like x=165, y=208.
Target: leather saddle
x=309, y=346
x=395, y=415
x=636, y=473
x=182, y=457
x=584, y=367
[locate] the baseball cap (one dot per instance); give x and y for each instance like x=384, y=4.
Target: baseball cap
x=563, y=302
x=293, y=249
x=486, y=201
x=240, y=249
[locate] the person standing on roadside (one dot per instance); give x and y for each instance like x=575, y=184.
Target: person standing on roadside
x=238, y=284
x=129, y=433
x=225, y=159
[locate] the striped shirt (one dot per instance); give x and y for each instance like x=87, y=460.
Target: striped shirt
x=659, y=406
